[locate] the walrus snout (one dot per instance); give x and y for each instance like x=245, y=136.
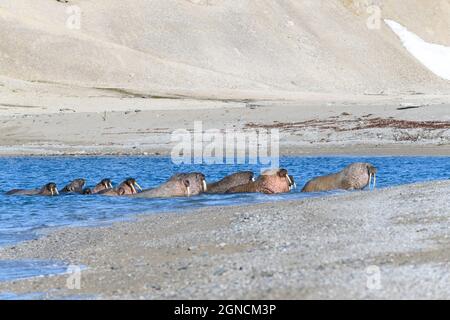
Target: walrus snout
x=132, y=183
x=107, y=183
x=52, y=188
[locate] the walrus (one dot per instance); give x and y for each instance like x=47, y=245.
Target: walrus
x=355, y=176
x=174, y=187
x=76, y=186
x=179, y=185
x=102, y=185
x=270, y=182
x=105, y=184
x=87, y=191
x=49, y=189
x=128, y=187
x=233, y=180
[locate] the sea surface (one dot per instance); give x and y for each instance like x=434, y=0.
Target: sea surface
x=24, y=217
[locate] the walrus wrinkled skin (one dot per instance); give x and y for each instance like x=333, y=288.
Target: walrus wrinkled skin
x=270, y=182
x=174, y=187
x=49, y=189
x=76, y=186
x=356, y=176
x=128, y=187
x=197, y=182
x=233, y=180
x=179, y=185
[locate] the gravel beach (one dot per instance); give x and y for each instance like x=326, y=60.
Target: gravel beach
x=390, y=243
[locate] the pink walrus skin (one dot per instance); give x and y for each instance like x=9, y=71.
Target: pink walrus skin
x=179, y=185
x=270, y=182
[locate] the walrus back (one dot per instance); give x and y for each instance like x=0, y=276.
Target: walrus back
x=19, y=192
x=244, y=188
x=325, y=183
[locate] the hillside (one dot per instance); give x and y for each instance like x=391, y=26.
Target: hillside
x=220, y=47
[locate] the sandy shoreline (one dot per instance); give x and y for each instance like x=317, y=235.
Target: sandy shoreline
x=312, y=248
x=381, y=125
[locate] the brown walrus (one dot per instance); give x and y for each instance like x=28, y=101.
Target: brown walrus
x=105, y=184
x=49, y=189
x=174, y=187
x=270, y=182
x=179, y=185
x=128, y=187
x=233, y=180
x=76, y=186
x=356, y=176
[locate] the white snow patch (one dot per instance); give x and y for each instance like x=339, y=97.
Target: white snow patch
x=433, y=56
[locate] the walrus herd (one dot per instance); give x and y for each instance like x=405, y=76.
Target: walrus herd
x=355, y=176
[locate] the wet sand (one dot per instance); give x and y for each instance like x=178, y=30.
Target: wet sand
x=325, y=247
x=116, y=124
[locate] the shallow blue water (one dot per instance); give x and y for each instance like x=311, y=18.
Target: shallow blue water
x=20, y=269
x=22, y=216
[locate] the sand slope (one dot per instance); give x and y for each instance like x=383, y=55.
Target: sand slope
x=213, y=47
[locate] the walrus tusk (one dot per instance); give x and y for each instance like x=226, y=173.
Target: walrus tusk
x=133, y=189
x=110, y=185
x=370, y=179
x=205, y=186
x=295, y=185
x=51, y=190
x=188, y=191
x=253, y=179
x=374, y=180
x=57, y=192
x=137, y=185
x=289, y=180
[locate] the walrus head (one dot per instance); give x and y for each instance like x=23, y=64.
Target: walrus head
x=75, y=186
x=269, y=182
x=49, y=189
x=275, y=181
x=105, y=184
x=128, y=187
x=197, y=182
